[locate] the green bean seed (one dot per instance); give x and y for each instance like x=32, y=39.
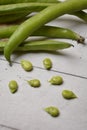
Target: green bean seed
x=67, y=94
x=53, y=111
x=47, y=63
x=26, y=65
x=56, y=80
x=13, y=86
x=32, y=24
x=34, y=83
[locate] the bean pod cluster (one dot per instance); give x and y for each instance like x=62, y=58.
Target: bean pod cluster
x=19, y=11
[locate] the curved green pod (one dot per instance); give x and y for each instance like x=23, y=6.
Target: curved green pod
x=45, y=45
x=2, y=2
x=22, y=7
x=46, y=31
x=11, y=18
x=32, y=7
x=32, y=24
x=81, y=14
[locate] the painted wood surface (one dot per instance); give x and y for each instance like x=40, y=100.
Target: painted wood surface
x=24, y=110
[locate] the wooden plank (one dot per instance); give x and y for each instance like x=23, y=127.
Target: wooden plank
x=24, y=110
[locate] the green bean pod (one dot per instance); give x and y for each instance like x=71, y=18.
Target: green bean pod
x=3, y=2
x=10, y=18
x=46, y=45
x=47, y=31
x=32, y=7
x=58, y=32
x=81, y=14
x=22, y=7
x=35, y=22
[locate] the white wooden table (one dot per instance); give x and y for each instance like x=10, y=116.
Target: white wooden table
x=24, y=109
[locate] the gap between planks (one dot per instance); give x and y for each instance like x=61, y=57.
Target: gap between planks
x=61, y=72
